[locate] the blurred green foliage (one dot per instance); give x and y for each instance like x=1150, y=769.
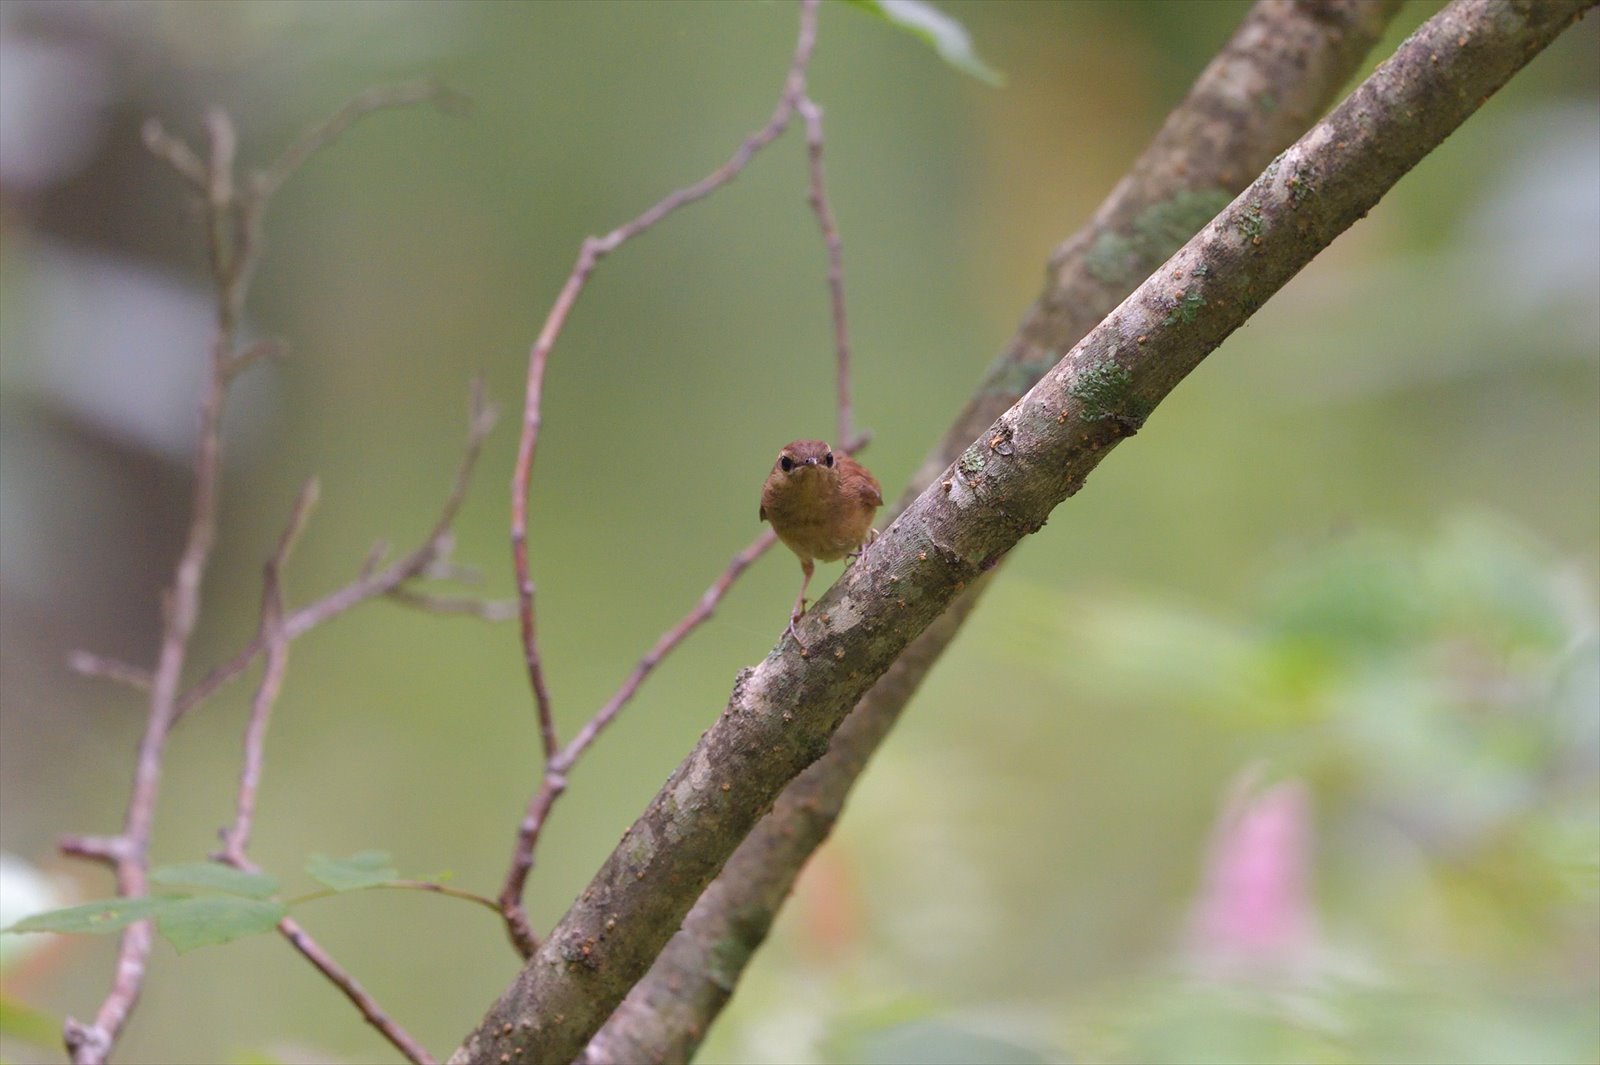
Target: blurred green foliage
x=1439, y=697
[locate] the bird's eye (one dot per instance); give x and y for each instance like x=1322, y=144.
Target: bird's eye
x=829, y=460
x=787, y=463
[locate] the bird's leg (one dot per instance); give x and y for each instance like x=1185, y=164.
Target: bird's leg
x=799, y=610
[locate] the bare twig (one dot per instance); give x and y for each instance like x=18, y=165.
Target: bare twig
x=92, y=665
x=331, y=129
x=175, y=153
x=232, y=220
x=372, y=581
x=487, y=609
x=445, y=569
x=401, y=1040
x=237, y=839
x=817, y=195
x=92, y=1042
x=559, y=760
x=260, y=351
x=593, y=250
x=555, y=775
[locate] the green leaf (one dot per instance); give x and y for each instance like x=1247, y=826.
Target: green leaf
x=944, y=34
x=363, y=870
x=106, y=915
x=222, y=878
x=201, y=920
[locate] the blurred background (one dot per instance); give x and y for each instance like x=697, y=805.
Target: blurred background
x=1282, y=742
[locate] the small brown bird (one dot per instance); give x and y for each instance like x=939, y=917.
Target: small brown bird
x=821, y=503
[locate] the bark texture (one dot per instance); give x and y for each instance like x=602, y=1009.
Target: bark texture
x=783, y=712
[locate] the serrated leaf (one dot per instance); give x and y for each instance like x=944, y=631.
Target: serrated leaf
x=202, y=920
x=106, y=915
x=944, y=34
x=216, y=877
x=363, y=870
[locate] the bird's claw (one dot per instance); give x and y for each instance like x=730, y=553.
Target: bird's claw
x=792, y=631
x=872, y=535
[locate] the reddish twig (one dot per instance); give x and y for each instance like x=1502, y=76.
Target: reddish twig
x=236, y=839
x=230, y=239
x=487, y=609
x=333, y=127
x=558, y=759
x=556, y=769
x=274, y=637
x=372, y=581
x=93, y=665
x=817, y=196
x=375, y=1016
x=593, y=250
x=232, y=222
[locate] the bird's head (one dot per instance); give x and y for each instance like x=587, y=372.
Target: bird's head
x=804, y=459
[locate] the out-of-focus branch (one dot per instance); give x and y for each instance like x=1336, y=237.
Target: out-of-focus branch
x=232, y=222
x=92, y=665
x=230, y=239
x=235, y=840
x=334, y=126
x=374, y=579
x=1276, y=74
x=783, y=713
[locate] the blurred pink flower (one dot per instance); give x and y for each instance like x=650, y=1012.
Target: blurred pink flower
x=1254, y=914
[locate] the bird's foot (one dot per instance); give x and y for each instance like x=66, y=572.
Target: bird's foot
x=872, y=535
x=792, y=631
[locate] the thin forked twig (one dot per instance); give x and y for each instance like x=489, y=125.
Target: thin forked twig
x=372, y=581
x=559, y=760
x=230, y=246
x=333, y=127
x=86, y=664
x=817, y=195
x=232, y=222
x=274, y=635
x=487, y=609
x=593, y=250
x=555, y=774
x=237, y=839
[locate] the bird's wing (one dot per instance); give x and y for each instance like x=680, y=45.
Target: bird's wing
x=866, y=486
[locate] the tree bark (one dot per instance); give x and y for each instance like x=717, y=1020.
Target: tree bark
x=783, y=712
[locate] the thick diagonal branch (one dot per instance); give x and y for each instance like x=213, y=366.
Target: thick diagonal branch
x=1292, y=56
x=783, y=713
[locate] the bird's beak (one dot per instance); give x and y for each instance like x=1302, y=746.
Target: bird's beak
x=811, y=461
